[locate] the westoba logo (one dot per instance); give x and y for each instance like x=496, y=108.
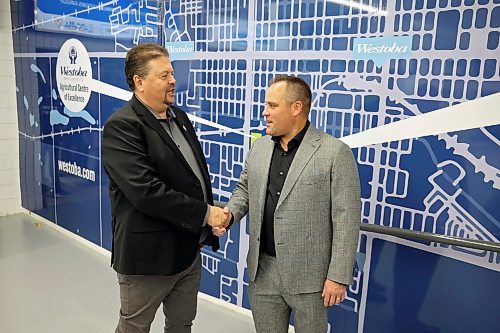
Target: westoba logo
x=74, y=75
x=180, y=50
x=73, y=71
x=381, y=49
x=370, y=48
x=172, y=48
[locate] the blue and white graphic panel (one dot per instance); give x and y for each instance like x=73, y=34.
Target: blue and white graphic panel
x=411, y=86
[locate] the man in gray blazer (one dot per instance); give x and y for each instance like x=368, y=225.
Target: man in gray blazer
x=301, y=189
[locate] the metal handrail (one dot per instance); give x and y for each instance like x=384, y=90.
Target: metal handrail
x=430, y=237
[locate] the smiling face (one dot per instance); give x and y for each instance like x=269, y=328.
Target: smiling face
x=156, y=88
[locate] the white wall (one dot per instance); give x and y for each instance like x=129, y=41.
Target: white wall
x=10, y=194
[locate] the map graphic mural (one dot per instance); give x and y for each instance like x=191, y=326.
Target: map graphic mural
x=373, y=66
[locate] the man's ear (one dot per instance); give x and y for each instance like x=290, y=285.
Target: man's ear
x=138, y=83
x=297, y=107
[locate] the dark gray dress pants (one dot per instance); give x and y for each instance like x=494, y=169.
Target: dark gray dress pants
x=141, y=295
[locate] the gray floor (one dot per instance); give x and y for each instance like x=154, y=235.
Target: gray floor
x=50, y=283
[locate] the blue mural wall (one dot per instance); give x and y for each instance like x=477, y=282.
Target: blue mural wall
x=369, y=67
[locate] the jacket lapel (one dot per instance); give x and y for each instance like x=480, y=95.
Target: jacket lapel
x=264, y=162
x=152, y=122
x=307, y=148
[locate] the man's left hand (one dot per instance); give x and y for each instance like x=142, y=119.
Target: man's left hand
x=333, y=293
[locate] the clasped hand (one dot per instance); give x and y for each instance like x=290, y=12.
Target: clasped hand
x=219, y=219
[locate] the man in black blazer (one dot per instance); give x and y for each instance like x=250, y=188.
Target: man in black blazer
x=161, y=198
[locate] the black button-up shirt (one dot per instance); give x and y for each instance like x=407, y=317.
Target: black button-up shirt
x=280, y=164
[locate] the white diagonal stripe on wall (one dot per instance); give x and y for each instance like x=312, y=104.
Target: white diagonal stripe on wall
x=125, y=95
x=472, y=114
x=480, y=112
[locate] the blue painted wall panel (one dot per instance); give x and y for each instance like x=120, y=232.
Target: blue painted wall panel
x=447, y=183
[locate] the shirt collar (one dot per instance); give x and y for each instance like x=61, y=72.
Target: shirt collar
x=296, y=141
x=171, y=115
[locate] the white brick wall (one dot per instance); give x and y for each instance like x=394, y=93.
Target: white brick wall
x=10, y=193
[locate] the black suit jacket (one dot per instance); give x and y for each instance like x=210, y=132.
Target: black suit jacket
x=157, y=202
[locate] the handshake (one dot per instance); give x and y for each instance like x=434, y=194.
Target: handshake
x=219, y=219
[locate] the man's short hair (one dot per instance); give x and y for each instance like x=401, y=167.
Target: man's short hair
x=296, y=90
x=138, y=58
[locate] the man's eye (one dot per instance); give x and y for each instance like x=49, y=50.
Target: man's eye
x=165, y=76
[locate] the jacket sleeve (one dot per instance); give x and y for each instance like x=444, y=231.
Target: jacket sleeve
x=238, y=203
x=345, y=215
x=128, y=165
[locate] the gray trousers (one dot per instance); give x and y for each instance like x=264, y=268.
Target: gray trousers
x=141, y=295
x=272, y=305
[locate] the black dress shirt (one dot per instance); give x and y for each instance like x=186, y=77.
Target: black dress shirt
x=280, y=164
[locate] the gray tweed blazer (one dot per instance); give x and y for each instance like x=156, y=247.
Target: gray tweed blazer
x=317, y=218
